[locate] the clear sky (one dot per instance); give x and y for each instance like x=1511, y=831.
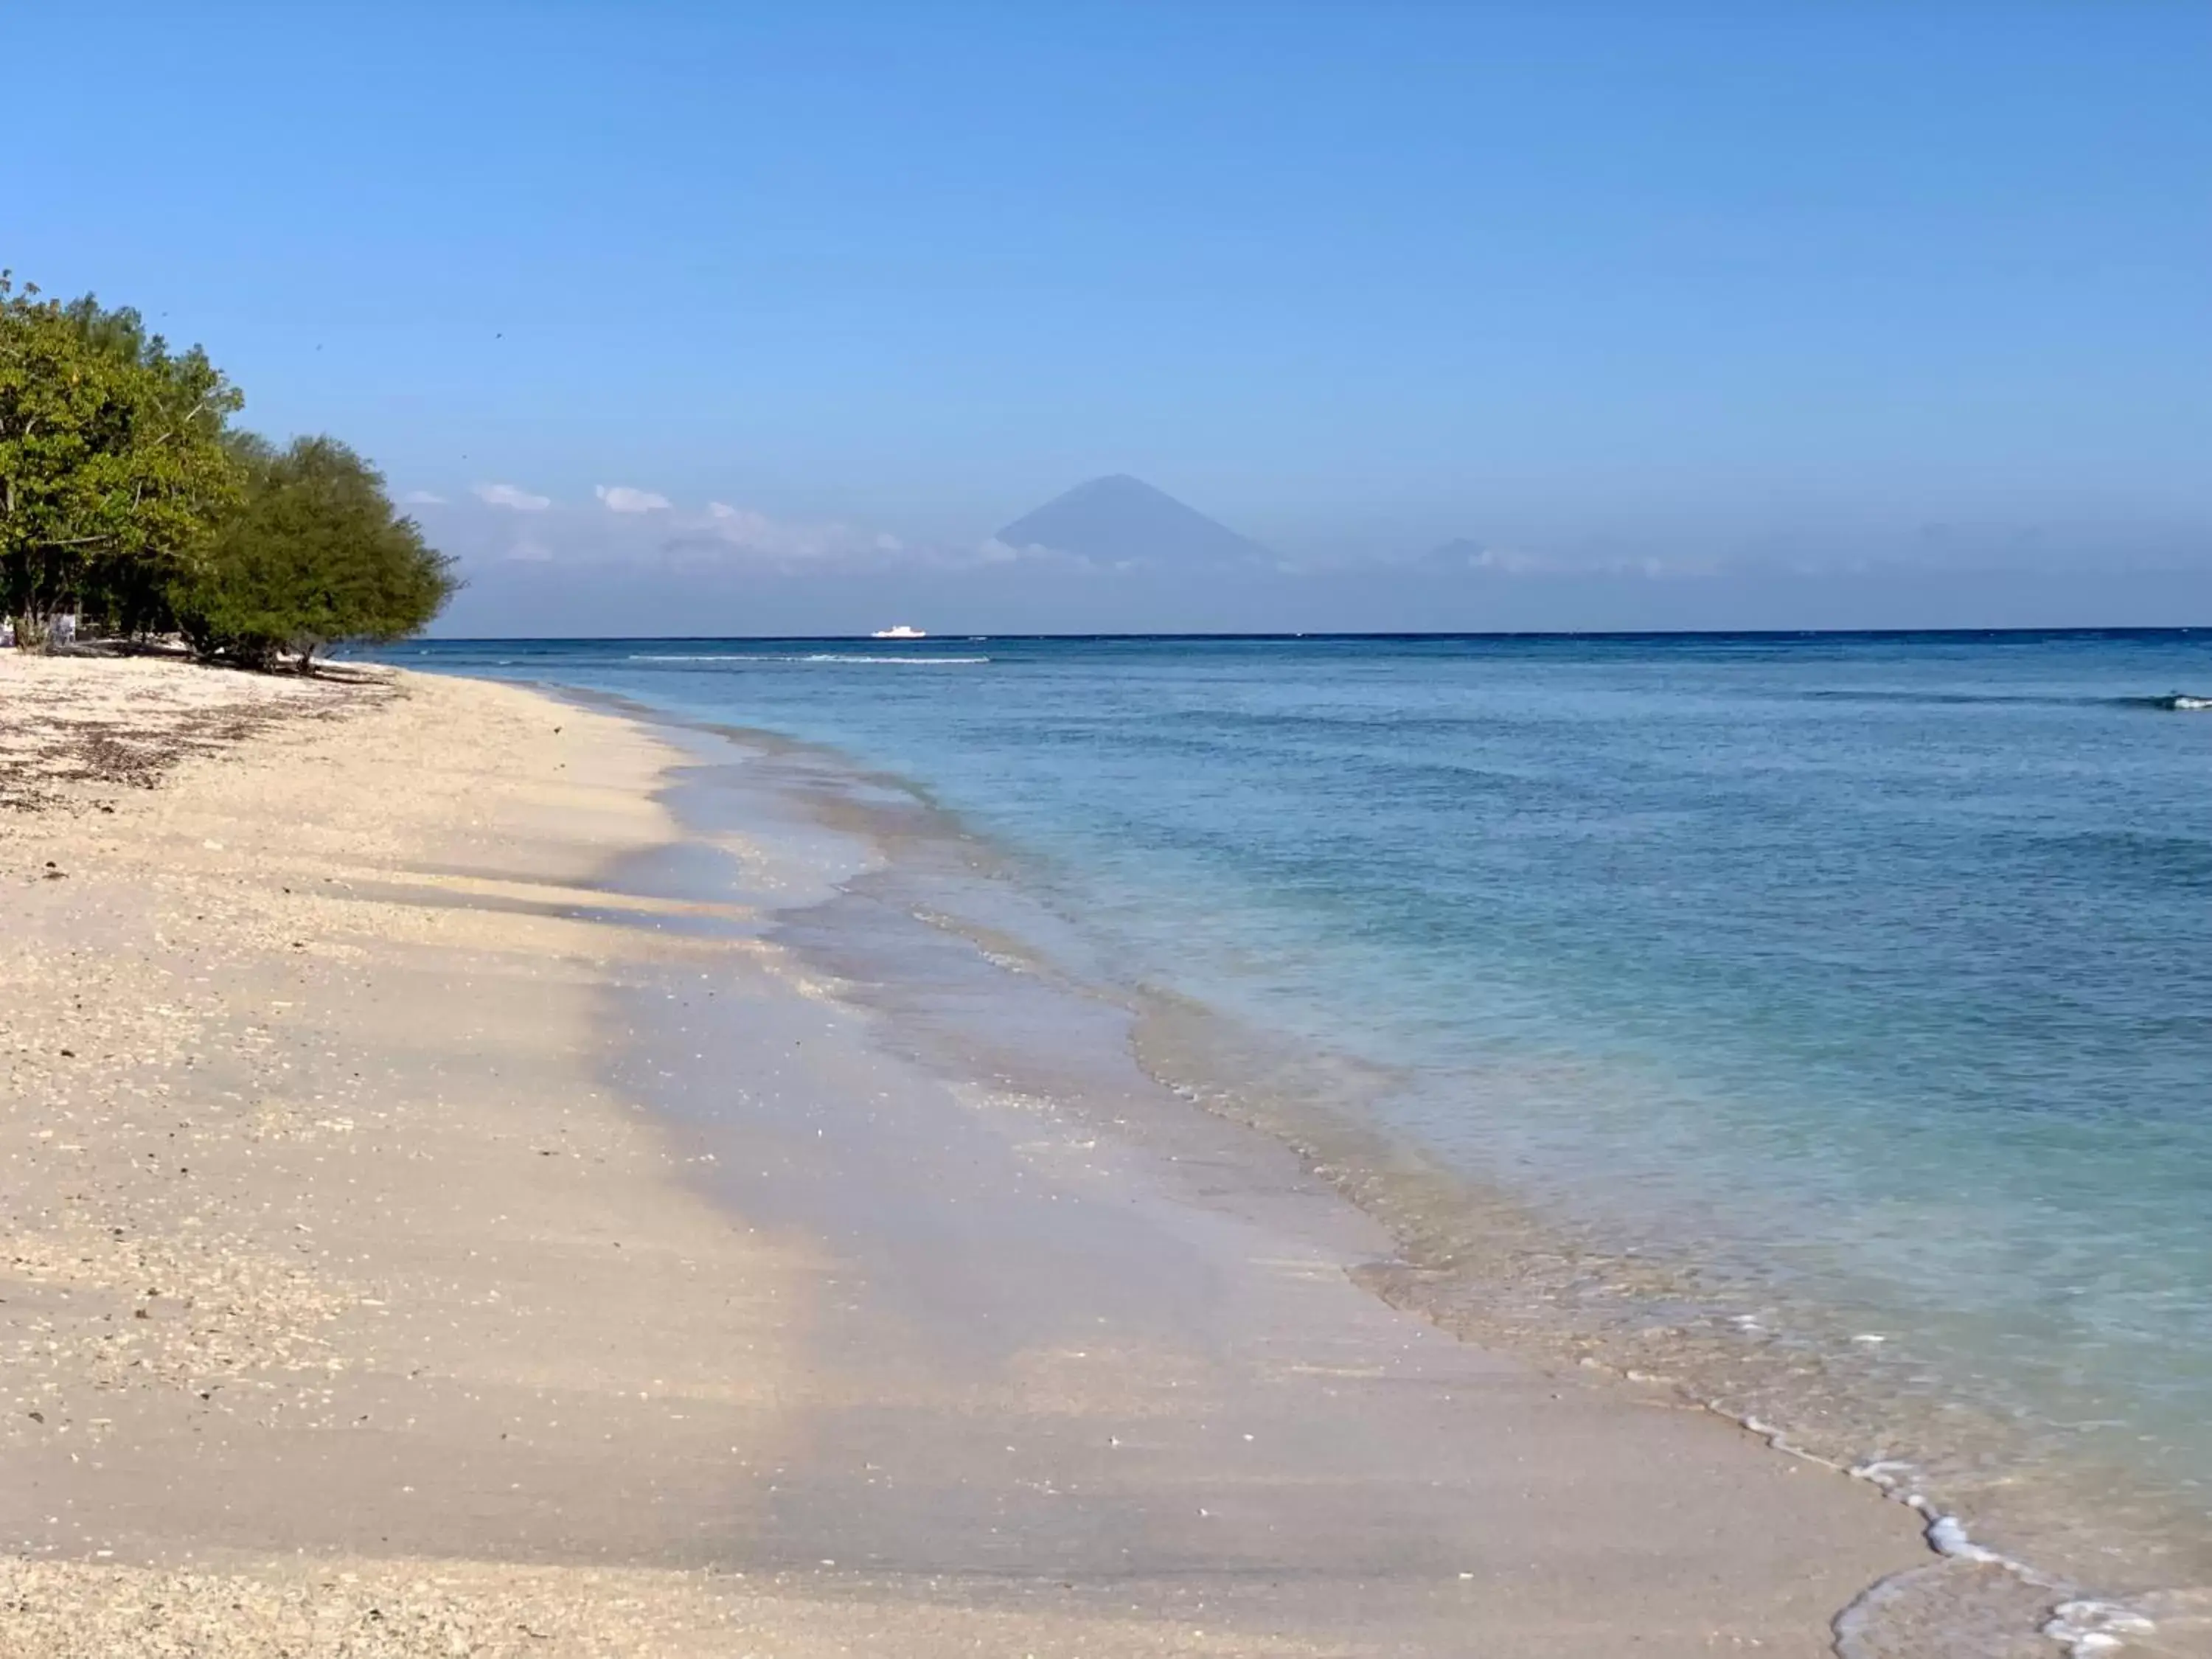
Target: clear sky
x=1667, y=313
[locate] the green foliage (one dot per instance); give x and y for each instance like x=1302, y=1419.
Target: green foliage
x=314, y=554
x=113, y=464
x=126, y=496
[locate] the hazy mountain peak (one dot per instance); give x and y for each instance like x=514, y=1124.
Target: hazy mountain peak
x=1119, y=519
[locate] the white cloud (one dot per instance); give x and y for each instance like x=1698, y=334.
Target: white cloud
x=754, y=531
x=621, y=498
x=642, y=530
x=746, y=533
x=1516, y=561
x=422, y=498
x=511, y=495
x=1511, y=560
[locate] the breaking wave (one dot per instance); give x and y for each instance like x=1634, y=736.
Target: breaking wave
x=811, y=656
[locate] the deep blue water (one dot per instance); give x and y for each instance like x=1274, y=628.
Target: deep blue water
x=1872, y=972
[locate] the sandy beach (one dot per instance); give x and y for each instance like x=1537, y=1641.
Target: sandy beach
x=372, y=1288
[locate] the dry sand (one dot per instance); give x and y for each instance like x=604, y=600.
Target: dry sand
x=347, y=1310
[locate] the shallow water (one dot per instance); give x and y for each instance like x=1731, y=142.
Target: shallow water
x=1825, y=1021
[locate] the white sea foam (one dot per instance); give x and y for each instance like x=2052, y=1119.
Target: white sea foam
x=816, y=656
x=2086, y=1627
x=903, y=662
x=1947, y=1535
x=2082, y=1625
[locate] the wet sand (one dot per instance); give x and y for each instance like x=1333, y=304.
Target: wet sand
x=438, y=1222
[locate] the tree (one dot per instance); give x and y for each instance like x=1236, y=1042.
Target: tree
x=112, y=461
x=314, y=554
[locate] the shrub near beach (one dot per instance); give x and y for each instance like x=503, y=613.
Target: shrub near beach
x=130, y=507
x=314, y=554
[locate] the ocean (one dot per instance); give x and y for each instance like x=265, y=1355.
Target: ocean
x=1820, y=1026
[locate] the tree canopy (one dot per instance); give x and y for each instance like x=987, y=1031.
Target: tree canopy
x=313, y=554
x=128, y=499
x=112, y=461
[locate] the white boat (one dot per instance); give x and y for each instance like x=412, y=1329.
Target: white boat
x=901, y=632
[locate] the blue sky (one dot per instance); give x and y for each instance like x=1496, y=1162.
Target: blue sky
x=1779, y=313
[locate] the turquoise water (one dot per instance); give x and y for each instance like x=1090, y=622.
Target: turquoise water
x=1856, y=988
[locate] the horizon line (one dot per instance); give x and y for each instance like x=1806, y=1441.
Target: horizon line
x=2070, y=630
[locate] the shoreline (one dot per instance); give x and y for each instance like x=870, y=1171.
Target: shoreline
x=1476, y=1261
x=480, y=925
x=1970, y=1593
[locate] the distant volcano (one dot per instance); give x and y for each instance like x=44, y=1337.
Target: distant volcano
x=1124, y=519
